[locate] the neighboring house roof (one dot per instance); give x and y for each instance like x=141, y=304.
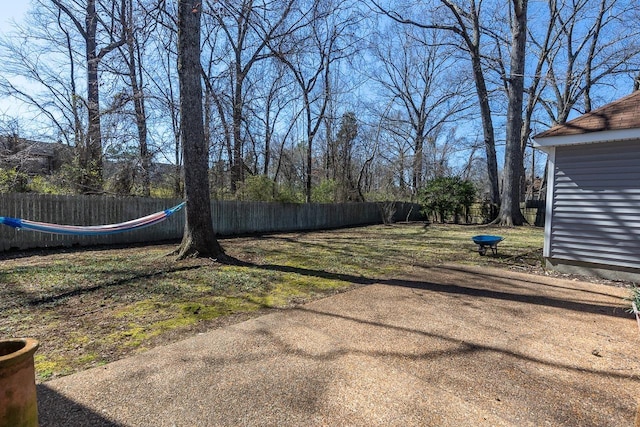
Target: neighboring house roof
x=15, y=145
x=33, y=157
x=618, y=120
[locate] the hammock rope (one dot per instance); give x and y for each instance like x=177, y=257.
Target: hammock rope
x=91, y=230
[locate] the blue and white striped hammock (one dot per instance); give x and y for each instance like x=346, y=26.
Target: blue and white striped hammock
x=91, y=230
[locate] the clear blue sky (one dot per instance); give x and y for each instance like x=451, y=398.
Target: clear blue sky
x=12, y=10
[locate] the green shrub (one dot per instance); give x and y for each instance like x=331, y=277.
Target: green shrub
x=447, y=197
x=634, y=297
x=162, y=192
x=13, y=181
x=289, y=195
x=325, y=192
x=47, y=185
x=259, y=188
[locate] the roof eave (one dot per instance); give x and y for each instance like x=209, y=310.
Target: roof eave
x=543, y=142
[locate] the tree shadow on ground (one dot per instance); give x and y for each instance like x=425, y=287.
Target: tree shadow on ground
x=459, y=347
x=450, y=288
x=521, y=279
x=55, y=409
x=31, y=301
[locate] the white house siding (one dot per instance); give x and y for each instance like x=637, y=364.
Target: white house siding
x=595, y=214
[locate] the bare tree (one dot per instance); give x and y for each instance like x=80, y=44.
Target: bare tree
x=199, y=237
x=248, y=27
x=416, y=70
x=162, y=77
x=51, y=90
x=133, y=56
x=593, y=45
x=280, y=74
x=510, y=213
x=310, y=54
x=167, y=98
x=541, y=45
x=393, y=171
x=585, y=45
x=86, y=19
x=343, y=160
x=281, y=154
x=275, y=94
x=464, y=22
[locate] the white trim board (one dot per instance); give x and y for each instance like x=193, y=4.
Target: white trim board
x=548, y=215
x=586, y=138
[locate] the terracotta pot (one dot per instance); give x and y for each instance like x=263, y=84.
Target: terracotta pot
x=18, y=400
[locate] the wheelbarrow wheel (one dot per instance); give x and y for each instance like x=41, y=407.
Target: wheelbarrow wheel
x=482, y=250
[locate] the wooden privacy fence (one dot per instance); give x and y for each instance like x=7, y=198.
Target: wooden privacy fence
x=533, y=211
x=229, y=218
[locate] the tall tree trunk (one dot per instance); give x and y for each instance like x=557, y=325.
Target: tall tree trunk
x=309, y=161
x=592, y=53
x=199, y=237
x=135, y=79
x=78, y=130
x=268, y=134
x=175, y=125
x=416, y=176
x=237, y=171
x=510, y=213
x=487, y=132
x=91, y=158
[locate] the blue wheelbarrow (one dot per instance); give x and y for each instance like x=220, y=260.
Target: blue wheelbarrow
x=485, y=241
